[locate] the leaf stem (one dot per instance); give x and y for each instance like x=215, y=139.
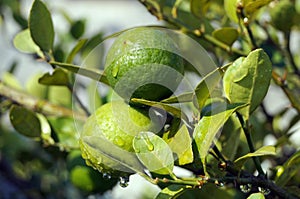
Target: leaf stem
x=250, y=144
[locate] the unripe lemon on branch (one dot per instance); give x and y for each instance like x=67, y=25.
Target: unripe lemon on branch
x=108, y=134
x=144, y=63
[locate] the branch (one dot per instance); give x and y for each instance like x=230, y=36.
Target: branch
x=38, y=105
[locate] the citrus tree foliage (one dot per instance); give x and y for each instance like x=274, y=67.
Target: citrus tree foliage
x=218, y=130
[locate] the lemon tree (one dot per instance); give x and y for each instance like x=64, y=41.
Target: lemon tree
x=113, y=125
x=144, y=63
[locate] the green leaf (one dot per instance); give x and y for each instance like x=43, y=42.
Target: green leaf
x=231, y=9
x=154, y=153
x=230, y=138
x=41, y=26
x=252, y=6
x=80, y=44
x=199, y=7
x=181, y=145
x=172, y=191
x=24, y=43
x=256, y=196
x=209, y=125
x=77, y=29
x=247, y=80
x=25, y=121
x=34, y=88
x=45, y=130
x=90, y=73
x=206, y=86
x=171, y=109
x=127, y=161
x=66, y=131
x=11, y=80
x=290, y=168
x=60, y=95
x=58, y=78
x=227, y=35
x=185, y=97
x=263, y=151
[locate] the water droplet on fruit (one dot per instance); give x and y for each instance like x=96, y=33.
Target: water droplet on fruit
x=246, y=188
x=115, y=70
x=264, y=191
x=124, y=181
x=119, y=141
x=106, y=176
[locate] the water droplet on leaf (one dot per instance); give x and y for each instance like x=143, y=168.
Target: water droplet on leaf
x=264, y=191
x=106, y=176
x=246, y=188
x=124, y=181
x=119, y=141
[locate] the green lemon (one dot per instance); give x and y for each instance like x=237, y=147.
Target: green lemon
x=283, y=15
x=84, y=177
x=113, y=125
x=144, y=63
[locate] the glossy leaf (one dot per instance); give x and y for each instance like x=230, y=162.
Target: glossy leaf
x=25, y=121
x=231, y=9
x=256, y=196
x=252, y=6
x=172, y=191
x=24, y=43
x=185, y=97
x=206, y=87
x=154, y=153
x=41, y=26
x=127, y=161
x=45, y=130
x=263, y=151
x=58, y=78
x=227, y=35
x=199, y=7
x=247, y=80
x=181, y=145
x=171, y=109
x=209, y=125
x=290, y=168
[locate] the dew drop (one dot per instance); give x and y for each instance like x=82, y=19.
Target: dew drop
x=115, y=70
x=106, y=176
x=264, y=191
x=246, y=188
x=119, y=141
x=219, y=183
x=124, y=181
x=149, y=144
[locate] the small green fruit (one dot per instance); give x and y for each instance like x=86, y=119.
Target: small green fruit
x=283, y=15
x=144, y=63
x=116, y=123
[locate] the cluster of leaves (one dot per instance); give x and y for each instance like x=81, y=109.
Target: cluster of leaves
x=227, y=102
